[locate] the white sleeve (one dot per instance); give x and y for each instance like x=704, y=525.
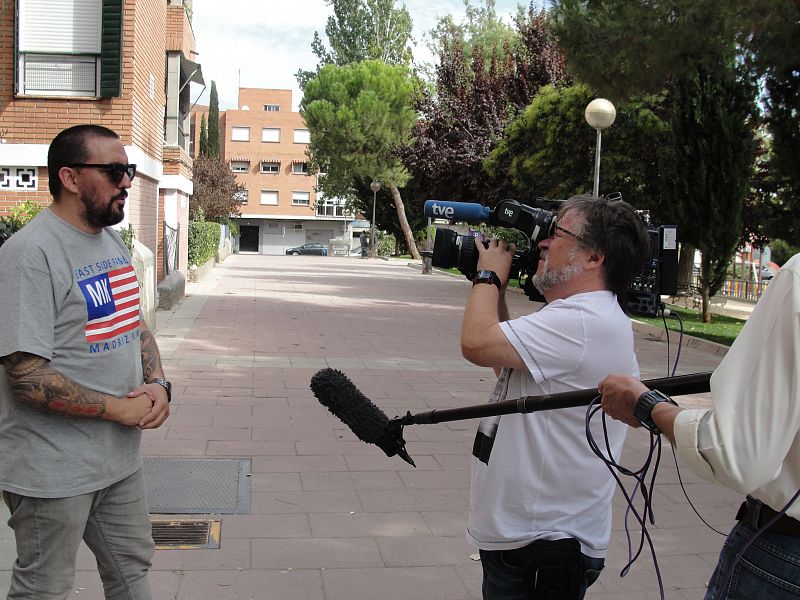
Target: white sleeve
x=755, y=418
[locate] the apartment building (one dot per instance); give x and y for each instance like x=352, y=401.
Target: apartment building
x=265, y=144
x=124, y=64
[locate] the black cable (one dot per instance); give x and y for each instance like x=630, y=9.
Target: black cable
x=641, y=486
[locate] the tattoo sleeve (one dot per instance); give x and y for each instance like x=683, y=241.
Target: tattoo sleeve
x=33, y=381
x=151, y=359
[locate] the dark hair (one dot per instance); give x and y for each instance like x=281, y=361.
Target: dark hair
x=613, y=228
x=70, y=147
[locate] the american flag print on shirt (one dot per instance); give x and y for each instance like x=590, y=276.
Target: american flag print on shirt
x=112, y=303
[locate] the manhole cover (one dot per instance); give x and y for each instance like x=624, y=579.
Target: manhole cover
x=197, y=485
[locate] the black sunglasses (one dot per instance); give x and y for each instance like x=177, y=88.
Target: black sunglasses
x=554, y=226
x=116, y=171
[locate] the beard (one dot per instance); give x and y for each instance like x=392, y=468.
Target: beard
x=98, y=214
x=550, y=278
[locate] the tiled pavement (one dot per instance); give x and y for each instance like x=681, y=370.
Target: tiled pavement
x=333, y=518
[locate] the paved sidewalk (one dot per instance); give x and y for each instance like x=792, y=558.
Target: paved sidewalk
x=333, y=518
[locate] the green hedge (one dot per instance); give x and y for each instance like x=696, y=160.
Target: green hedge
x=203, y=241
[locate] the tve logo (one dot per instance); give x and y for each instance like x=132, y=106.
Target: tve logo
x=445, y=212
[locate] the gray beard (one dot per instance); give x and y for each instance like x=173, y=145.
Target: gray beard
x=544, y=282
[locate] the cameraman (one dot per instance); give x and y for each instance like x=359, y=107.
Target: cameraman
x=540, y=501
x=749, y=441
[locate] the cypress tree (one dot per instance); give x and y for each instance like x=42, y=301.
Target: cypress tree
x=213, y=122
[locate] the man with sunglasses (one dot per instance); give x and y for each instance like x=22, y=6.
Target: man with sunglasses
x=540, y=501
x=82, y=377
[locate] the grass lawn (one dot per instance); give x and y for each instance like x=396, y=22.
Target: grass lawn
x=722, y=329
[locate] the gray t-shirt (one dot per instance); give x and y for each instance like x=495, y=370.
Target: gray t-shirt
x=72, y=298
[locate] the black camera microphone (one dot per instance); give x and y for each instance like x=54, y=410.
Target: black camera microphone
x=368, y=422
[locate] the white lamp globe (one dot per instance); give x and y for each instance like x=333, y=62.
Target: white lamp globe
x=600, y=113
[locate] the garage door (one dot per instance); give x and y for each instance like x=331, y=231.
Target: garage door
x=278, y=237
x=322, y=236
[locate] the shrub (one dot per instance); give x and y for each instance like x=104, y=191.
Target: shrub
x=203, y=241
x=19, y=216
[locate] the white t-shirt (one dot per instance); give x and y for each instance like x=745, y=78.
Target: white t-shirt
x=534, y=475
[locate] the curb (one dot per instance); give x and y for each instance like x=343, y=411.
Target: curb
x=659, y=334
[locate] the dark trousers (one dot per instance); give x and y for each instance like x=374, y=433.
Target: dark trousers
x=542, y=570
x=769, y=568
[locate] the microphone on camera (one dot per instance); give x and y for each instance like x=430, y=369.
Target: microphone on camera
x=457, y=211
x=368, y=422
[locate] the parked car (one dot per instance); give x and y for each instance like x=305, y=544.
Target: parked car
x=310, y=248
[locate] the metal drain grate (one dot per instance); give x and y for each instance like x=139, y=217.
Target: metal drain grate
x=185, y=534
x=197, y=485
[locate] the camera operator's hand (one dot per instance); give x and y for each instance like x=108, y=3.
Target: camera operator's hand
x=497, y=257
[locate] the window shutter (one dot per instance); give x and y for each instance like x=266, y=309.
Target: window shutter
x=60, y=26
x=111, y=49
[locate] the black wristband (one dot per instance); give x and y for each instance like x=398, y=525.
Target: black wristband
x=643, y=411
x=487, y=277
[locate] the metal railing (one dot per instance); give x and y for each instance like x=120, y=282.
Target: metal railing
x=740, y=289
x=171, y=245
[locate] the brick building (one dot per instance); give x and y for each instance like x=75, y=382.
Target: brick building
x=265, y=143
x=124, y=64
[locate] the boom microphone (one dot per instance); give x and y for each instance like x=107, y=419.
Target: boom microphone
x=470, y=212
x=368, y=422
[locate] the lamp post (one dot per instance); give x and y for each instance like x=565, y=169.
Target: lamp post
x=599, y=114
x=375, y=186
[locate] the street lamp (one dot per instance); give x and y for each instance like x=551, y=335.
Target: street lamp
x=375, y=186
x=599, y=114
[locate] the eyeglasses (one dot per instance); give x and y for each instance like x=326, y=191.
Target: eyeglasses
x=554, y=226
x=116, y=171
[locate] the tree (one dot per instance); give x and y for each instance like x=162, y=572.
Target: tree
x=672, y=38
x=676, y=37
x=776, y=28
x=548, y=150
x=213, y=122
x=216, y=191
x=362, y=30
x=359, y=116
x=203, y=136
x=475, y=96
x=708, y=164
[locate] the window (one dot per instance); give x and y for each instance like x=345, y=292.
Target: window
x=240, y=166
x=300, y=168
x=241, y=196
x=272, y=107
x=301, y=198
x=332, y=208
x=240, y=134
x=301, y=136
x=61, y=51
x=273, y=168
x=271, y=134
x=269, y=197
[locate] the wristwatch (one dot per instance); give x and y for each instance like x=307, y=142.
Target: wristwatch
x=487, y=277
x=643, y=411
x=166, y=385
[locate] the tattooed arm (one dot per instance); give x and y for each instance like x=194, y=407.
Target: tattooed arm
x=151, y=359
x=33, y=381
x=151, y=368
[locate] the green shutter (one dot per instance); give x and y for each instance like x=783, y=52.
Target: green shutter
x=111, y=49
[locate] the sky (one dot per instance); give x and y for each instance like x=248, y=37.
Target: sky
x=262, y=43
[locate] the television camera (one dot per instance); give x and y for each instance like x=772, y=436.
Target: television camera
x=451, y=250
